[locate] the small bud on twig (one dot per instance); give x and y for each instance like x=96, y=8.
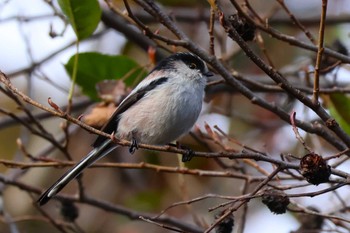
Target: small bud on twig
x=54, y=106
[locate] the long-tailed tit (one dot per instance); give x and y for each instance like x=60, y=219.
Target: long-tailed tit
x=161, y=108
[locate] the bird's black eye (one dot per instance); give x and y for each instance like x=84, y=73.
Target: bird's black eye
x=192, y=66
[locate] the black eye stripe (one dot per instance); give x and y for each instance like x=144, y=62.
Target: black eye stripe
x=190, y=60
x=187, y=58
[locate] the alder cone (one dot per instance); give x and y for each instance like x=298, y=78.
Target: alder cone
x=277, y=201
x=315, y=169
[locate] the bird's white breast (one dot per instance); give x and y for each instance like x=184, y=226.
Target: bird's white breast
x=163, y=114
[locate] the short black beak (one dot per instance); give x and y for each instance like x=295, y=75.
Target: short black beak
x=208, y=74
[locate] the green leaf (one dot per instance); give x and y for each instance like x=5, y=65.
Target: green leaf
x=342, y=104
x=145, y=201
x=339, y=107
x=84, y=16
x=96, y=67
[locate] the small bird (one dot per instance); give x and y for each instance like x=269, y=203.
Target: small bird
x=162, y=107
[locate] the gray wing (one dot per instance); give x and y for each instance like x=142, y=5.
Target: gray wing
x=112, y=124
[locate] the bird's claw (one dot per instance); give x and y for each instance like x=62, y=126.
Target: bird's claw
x=186, y=157
x=134, y=146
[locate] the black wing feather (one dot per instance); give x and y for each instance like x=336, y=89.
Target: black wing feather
x=112, y=124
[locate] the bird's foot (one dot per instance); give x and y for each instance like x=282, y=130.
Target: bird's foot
x=134, y=146
x=188, y=155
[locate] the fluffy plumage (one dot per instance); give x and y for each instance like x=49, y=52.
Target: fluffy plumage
x=161, y=108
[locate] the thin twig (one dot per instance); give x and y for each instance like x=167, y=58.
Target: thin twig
x=296, y=132
x=297, y=22
x=320, y=50
x=251, y=9
x=211, y=28
x=232, y=209
x=157, y=168
x=160, y=225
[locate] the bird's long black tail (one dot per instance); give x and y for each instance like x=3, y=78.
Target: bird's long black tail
x=94, y=155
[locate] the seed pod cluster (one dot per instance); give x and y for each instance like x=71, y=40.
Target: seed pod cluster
x=315, y=169
x=328, y=63
x=244, y=28
x=69, y=211
x=277, y=201
x=226, y=225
